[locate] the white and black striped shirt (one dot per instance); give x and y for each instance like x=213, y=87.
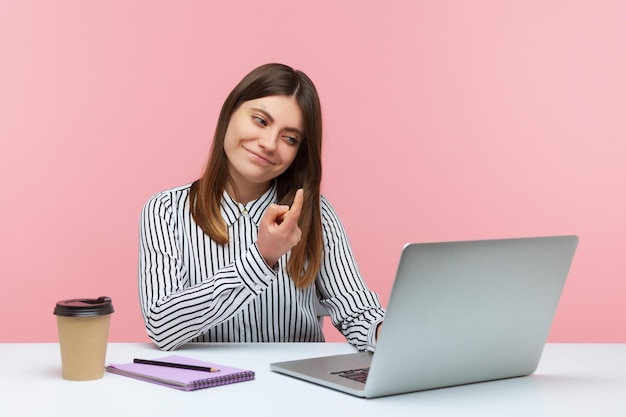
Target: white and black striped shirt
x=193, y=289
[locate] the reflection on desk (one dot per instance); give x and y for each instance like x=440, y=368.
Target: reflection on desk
x=572, y=380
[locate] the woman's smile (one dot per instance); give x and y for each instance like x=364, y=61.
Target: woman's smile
x=257, y=157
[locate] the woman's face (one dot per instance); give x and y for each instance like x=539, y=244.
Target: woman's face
x=261, y=142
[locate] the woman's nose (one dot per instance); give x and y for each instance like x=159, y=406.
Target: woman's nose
x=268, y=141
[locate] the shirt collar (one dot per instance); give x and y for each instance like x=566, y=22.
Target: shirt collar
x=232, y=210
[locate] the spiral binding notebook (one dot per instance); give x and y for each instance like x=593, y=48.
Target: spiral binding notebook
x=182, y=379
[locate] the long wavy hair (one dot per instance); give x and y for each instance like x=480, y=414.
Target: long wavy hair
x=304, y=172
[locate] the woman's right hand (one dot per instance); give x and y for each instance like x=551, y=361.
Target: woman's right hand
x=278, y=229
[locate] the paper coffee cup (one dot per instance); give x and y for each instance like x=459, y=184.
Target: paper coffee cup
x=83, y=326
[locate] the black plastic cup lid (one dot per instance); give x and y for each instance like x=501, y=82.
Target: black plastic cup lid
x=84, y=307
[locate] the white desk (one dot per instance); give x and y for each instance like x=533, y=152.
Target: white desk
x=572, y=380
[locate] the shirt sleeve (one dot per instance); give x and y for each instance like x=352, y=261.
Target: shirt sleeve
x=354, y=310
x=173, y=311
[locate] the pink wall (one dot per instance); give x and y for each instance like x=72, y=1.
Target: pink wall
x=445, y=120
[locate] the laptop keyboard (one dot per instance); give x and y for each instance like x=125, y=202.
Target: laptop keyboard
x=359, y=375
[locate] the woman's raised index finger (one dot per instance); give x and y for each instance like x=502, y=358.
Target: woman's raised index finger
x=296, y=207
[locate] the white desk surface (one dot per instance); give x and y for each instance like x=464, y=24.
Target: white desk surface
x=572, y=380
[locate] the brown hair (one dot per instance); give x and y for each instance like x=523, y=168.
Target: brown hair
x=304, y=172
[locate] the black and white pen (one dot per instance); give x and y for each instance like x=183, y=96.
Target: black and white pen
x=175, y=365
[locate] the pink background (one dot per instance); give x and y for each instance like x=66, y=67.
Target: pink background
x=444, y=120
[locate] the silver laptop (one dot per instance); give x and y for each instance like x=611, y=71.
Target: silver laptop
x=459, y=313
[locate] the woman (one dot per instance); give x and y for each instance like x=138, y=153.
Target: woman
x=243, y=253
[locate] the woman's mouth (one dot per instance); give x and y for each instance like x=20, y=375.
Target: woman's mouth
x=259, y=158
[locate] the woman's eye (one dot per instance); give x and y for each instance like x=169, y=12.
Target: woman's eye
x=291, y=140
x=259, y=121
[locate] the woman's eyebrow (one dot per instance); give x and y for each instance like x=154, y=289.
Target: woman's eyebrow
x=271, y=120
x=265, y=113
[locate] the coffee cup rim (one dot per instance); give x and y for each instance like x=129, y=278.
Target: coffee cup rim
x=84, y=307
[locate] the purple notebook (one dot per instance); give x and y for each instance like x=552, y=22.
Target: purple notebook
x=182, y=379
